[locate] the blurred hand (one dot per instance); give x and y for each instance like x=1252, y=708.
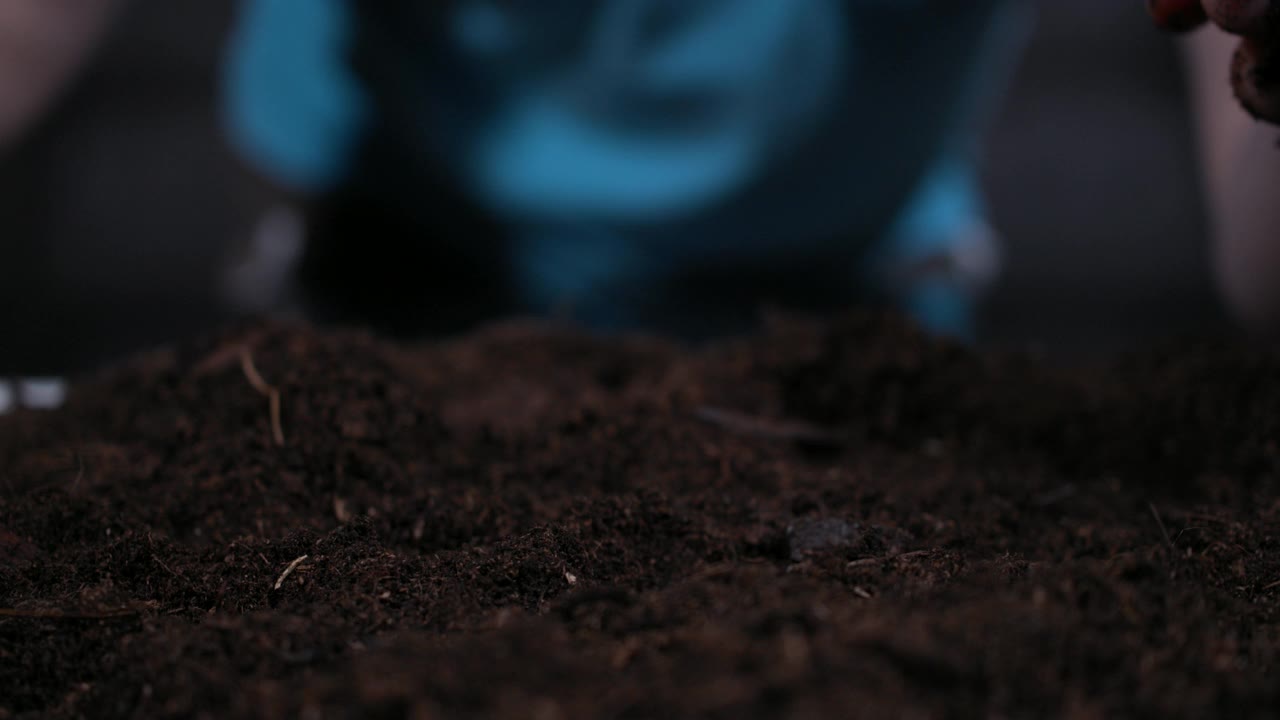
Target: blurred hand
x=1255, y=69
x=42, y=43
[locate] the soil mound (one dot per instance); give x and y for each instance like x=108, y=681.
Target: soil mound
x=823, y=520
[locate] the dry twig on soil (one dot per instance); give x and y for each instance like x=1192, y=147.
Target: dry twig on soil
x=789, y=430
x=285, y=574
x=265, y=389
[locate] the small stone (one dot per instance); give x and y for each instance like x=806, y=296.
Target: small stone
x=812, y=535
x=808, y=536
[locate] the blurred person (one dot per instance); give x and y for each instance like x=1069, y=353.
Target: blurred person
x=1240, y=159
x=660, y=164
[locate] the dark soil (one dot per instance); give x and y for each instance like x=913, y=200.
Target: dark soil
x=822, y=521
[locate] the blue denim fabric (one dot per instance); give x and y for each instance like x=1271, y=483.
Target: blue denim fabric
x=622, y=140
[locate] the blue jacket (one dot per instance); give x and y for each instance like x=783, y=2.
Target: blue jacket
x=621, y=138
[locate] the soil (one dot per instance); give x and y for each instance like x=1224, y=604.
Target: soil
x=822, y=520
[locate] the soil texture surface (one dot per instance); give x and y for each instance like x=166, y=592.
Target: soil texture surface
x=841, y=519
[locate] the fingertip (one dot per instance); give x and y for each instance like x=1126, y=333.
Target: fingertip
x=1177, y=15
x=1243, y=17
x=1255, y=77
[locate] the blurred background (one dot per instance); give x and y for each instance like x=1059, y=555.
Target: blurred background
x=122, y=207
